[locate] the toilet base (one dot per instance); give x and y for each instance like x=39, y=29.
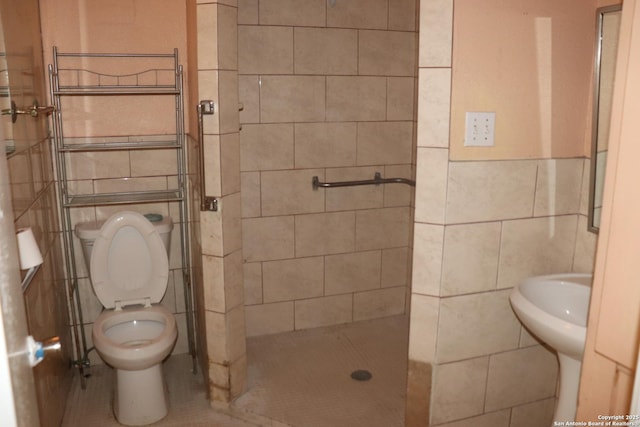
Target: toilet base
x=140, y=397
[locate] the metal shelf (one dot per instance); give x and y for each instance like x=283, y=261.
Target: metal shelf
x=128, y=145
x=123, y=198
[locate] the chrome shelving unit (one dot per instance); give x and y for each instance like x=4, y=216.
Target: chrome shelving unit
x=82, y=75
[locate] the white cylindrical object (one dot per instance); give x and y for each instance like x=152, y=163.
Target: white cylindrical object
x=28, y=250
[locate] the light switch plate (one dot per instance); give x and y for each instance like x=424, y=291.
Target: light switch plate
x=480, y=129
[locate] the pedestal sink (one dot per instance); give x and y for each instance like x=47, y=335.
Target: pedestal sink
x=554, y=308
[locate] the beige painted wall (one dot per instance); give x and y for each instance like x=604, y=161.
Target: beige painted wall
x=612, y=336
x=530, y=62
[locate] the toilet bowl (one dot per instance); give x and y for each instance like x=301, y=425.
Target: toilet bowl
x=128, y=263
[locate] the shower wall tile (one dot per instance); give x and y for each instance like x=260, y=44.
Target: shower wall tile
x=509, y=384
x=265, y=50
x=292, y=279
x=470, y=260
x=402, y=15
x=325, y=145
x=458, y=390
x=207, y=24
x=382, y=228
x=266, y=147
x=250, y=191
x=252, y=273
x=226, y=271
x=227, y=27
x=423, y=326
x=248, y=12
x=228, y=101
x=493, y=419
x=230, y=163
x=249, y=97
x=497, y=190
x=431, y=185
x=394, y=268
x=354, y=272
x=476, y=325
x=352, y=198
x=325, y=233
x=356, y=98
x=324, y=311
x=436, y=33
x=379, y=303
x=398, y=195
x=231, y=206
x=292, y=99
x=535, y=246
x=304, y=13
x=379, y=55
x=358, y=14
x=208, y=88
x=384, y=143
x=534, y=414
x=434, y=107
x=267, y=238
x=326, y=51
x=400, y=98
x=290, y=192
x=269, y=318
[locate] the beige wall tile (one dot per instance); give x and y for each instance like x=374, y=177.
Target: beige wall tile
x=248, y=12
x=531, y=247
x=292, y=99
x=290, y=192
x=402, y=15
x=227, y=31
x=249, y=97
x=292, y=279
x=534, y=414
x=94, y=165
x=431, y=184
x=325, y=145
x=236, y=335
x=307, y=13
x=509, y=384
x=231, y=206
x=585, y=250
x=434, y=107
x=400, y=97
x=476, y=325
x=428, y=240
x=268, y=238
x=382, y=228
x=326, y=233
x=351, y=198
x=398, y=194
x=211, y=233
x=266, y=147
x=458, y=390
x=558, y=187
x=394, y=268
x=384, y=143
x=584, y=185
x=352, y=272
x=265, y=50
x=356, y=98
x=493, y=419
x=358, y=14
x=470, y=261
x=325, y=311
x=379, y=303
x=130, y=184
x=325, y=51
x=230, y=163
x=212, y=178
x=423, y=328
x=252, y=273
x=208, y=88
x=490, y=190
x=386, y=53
x=436, y=33
x=228, y=102
x=269, y=318
x=223, y=288
x=207, y=22
x=250, y=191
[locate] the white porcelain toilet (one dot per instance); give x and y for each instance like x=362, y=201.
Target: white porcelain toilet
x=128, y=263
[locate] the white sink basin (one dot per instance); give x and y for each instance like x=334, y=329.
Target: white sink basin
x=554, y=308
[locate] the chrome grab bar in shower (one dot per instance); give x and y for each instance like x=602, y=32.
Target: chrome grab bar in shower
x=205, y=107
x=377, y=180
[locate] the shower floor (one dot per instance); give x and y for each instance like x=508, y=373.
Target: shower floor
x=297, y=379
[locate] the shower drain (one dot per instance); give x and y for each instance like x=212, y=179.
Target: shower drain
x=361, y=375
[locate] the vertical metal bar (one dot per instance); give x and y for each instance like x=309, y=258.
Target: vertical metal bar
x=206, y=203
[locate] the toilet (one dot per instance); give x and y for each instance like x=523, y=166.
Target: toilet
x=127, y=257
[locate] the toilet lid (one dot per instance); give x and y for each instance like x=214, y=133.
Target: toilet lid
x=129, y=263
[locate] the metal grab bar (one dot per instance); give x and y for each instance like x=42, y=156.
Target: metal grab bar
x=205, y=107
x=377, y=180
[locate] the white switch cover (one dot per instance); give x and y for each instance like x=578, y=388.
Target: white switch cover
x=480, y=129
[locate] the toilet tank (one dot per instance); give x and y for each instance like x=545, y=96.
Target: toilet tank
x=88, y=231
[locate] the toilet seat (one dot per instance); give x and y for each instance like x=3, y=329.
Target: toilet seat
x=129, y=263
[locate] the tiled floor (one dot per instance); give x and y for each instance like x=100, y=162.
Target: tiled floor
x=298, y=379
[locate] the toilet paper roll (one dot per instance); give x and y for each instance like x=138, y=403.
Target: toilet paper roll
x=28, y=250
